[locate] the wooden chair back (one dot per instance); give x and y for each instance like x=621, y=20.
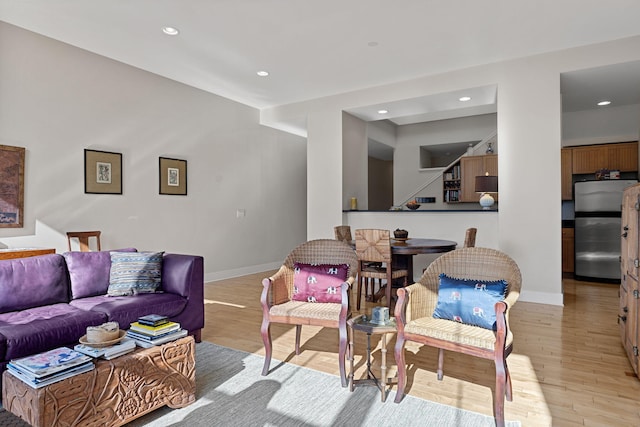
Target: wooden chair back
x=373, y=245
x=343, y=233
x=83, y=239
x=470, y=237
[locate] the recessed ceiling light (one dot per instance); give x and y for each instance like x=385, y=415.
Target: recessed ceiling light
x=603, y=103
x=262, y=73
x=383, y=111
x=464, y=99
x=171, y=31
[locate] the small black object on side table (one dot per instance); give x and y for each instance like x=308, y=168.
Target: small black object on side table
x=362, y=323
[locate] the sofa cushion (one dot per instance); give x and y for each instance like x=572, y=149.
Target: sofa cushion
x=319, y=283
x=38, y=329
x=89, y=272
x=127, y=309
x=135, y=273
x=33, y=282
x=469, y=301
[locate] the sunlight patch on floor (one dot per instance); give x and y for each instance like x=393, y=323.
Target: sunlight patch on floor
x=228, y=304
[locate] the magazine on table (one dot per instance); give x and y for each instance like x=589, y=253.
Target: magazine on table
x=146, y=343
x=135, y=334
x=153, y=320
x=51, y=361
x=123, y=347
x=49, y=379
x=155, y=330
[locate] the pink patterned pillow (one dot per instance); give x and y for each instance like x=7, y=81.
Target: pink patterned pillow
x=319, y=282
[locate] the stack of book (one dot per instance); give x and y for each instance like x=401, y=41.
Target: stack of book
x=127, y=345
x=49, y=367
x=153, y=330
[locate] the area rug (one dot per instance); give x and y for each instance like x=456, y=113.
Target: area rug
x=232, y=392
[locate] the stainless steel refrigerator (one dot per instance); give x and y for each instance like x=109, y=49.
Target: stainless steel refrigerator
x=598, y=206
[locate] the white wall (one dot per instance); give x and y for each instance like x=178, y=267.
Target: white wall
x=354, y=162
x=602, y=125
x=57, y=100
x=530, y=139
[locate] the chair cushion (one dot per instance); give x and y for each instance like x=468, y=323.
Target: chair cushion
x=89, y=272
x=318, y=311
x=135, y=273
x=319, y=283
x=455, y=332
x=469, y=301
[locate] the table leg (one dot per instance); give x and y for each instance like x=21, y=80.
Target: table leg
x=383, y=368
x=369, y=373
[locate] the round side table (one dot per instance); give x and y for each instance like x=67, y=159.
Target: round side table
x=363, y=324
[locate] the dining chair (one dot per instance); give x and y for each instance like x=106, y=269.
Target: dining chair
x=470, y=237
x=462, y=304
x=312, y=287
x=343, y=233
x=374, y=245
x=83, y=239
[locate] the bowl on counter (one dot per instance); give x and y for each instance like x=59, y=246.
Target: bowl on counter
x=413, y=206
x=400, y=234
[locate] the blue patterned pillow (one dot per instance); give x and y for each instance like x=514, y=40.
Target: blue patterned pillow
x=469, y=301
x=135, y=273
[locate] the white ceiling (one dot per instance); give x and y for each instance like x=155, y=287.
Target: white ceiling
x=315, y=49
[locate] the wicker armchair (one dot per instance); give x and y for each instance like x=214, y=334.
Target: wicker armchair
x=278, y=306
x=416, y=304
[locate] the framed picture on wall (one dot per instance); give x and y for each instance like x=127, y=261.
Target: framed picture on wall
x=173, y=176
x=102, y=172
x=11, y=186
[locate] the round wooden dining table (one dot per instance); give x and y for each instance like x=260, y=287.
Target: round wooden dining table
x=403, y=250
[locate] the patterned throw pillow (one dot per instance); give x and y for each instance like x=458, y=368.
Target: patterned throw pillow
x=319, y=282
x=469, y=301
x=135, y=273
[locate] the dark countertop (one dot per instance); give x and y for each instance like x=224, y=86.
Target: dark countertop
x=428, y=210
x=568, y=223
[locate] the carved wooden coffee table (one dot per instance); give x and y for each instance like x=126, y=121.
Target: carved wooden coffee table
x=114, y=393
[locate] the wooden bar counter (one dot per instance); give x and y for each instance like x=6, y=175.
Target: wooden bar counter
x=13, y=253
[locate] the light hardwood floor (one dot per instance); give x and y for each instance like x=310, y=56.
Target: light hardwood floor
x=568, y=366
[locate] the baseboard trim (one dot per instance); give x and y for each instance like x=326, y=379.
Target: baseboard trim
x=237, y=272
x=542, y=297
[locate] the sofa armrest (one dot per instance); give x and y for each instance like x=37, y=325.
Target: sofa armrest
x=183, y=275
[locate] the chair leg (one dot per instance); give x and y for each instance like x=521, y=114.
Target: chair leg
x=509, y=390
x=298, y=331
x=402, y=368
x=360, y=279
x=501, y=381
x=265, y=331
x=342, y=351
x=440, y=364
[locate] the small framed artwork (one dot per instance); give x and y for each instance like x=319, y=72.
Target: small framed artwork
x=173, y=176
x=102, y=172
x=11, y=186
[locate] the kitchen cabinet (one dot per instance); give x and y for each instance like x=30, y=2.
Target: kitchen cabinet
x=568, y=250
x=590, y=158
x=472, y=166
x=566, y=172
x=628, y=314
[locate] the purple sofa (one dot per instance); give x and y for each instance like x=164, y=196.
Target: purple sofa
x=48, y=301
